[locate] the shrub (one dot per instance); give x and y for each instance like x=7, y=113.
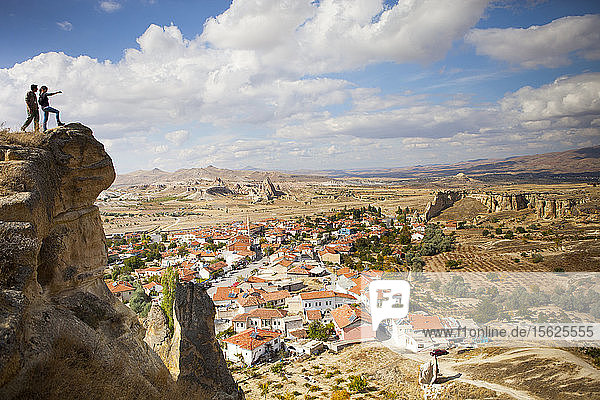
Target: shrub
x=498, y=231
x=453, y=264
x=340, y=395
x=357, y=383
x=536, y=258
x=140, y=302
x=485, y=233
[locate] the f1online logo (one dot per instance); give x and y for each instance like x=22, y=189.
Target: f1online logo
x=388, y=298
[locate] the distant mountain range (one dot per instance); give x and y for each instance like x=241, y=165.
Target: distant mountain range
x=585, y=161
x=571, y=164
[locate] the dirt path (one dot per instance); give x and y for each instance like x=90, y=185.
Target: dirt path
x=448, y=368
x=166, y=228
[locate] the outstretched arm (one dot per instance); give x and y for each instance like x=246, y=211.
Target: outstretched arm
x=52, y=94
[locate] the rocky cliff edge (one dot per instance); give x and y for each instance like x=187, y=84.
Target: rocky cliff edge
x=62, y=333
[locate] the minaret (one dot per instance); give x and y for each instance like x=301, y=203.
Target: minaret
x=248, y=224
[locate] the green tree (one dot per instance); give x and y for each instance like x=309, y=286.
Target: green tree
x=132, y=263
x=486, y=310
x=316, y=330
x=453, y=264
x=140, y=302
x=169, y=282
x=404, y=235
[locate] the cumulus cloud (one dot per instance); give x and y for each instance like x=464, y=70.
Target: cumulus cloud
x=254, y=88
x=550, y=45
x=109, y=6
x=65, y=25
x=337, y=35
x=177, y=137
x=567, y=102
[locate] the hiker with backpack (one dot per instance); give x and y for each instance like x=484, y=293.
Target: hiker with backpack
x=33, y=113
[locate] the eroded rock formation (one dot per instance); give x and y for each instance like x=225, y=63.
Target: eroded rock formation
x=545, y=205
x=63, y=335
x=192, y=354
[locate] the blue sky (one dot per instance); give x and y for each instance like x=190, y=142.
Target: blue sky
x=297, y=84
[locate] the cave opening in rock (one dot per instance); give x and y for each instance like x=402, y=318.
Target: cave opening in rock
x=47, y=258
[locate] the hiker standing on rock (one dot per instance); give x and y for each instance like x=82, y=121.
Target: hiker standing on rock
x=45, y=103
x=33, y=112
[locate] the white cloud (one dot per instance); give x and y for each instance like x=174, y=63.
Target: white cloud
x=247, y=97
x=567, y=102
x=109, y=6
x=65, y=25
x=550, y=45
x=337, y=35
x=178, y=137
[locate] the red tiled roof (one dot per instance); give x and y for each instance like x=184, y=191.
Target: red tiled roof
x=250, y=301
x=344, y=270
x=119, y=287
x=359, y=332
x=151, y=285
x=419, y=321
x=246, y=341
x=346, y=315
x=255, y=279
x=277, y=295
x=323, y=294
x=314, y=315
x=285, y=262
x=262, y=313
x=299, y=333
x=222, y=293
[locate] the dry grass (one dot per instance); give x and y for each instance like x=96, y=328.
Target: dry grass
x=19, y=138
x=389, y=376
x=548, y=378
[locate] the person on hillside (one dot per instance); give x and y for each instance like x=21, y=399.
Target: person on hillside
x=33, y=112
x=45, y=103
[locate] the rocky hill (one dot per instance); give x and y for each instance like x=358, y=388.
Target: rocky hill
x=546, y=205
x=210, y=173
x=62, y=333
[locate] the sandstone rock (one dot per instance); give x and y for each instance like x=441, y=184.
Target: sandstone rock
x=545, y=205
x=63, y=335
x=192, y=354
x=158, y=336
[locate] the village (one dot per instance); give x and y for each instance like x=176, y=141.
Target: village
x=282, y=287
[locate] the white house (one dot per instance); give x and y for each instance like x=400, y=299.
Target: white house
x=263, y=318
x=411, y=334
x=352, y=323
x=325, y=300
x=248, y=346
